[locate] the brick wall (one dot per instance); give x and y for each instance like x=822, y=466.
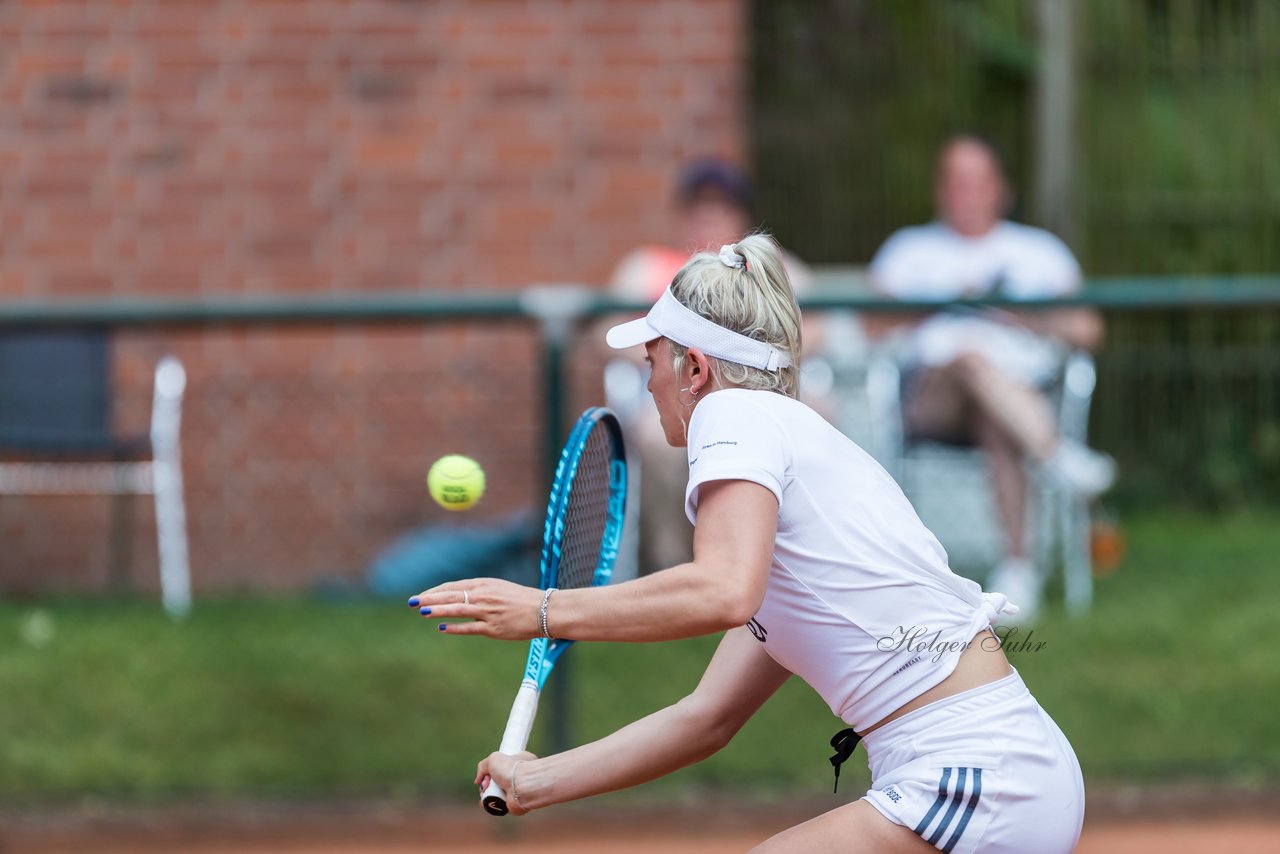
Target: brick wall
x=184, y=148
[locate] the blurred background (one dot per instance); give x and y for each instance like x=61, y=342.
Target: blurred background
x=262, y=262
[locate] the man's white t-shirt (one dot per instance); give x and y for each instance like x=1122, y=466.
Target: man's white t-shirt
x=860, y=601
x=934, y=262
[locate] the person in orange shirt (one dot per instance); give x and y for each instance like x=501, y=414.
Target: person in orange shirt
x=714, y=205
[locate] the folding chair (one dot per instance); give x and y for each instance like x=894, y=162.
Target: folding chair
x=948, y=484
x=56, y=437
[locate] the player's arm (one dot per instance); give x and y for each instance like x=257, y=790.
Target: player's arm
x=721, y=588
x=740, y=677
x=1077, y=326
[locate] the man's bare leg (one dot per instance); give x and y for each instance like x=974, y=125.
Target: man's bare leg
x=1010, y=422
x=1008, y=483
x=1019, y=411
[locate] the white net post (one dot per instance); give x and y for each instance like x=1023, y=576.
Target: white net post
x=171, y=517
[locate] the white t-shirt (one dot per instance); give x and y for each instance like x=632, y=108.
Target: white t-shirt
x=860, y=601
x=934, y=262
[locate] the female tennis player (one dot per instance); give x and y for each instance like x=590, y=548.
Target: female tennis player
x=810, y=559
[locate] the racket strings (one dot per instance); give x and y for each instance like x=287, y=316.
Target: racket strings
x=587, y=513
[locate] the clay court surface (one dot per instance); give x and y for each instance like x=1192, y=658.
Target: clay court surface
x=1148, y=827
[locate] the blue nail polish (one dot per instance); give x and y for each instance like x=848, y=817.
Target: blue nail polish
x=424, y=610
x=442, y=626
x=413, y=602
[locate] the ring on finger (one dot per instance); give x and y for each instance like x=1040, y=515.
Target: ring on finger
x=466, y=599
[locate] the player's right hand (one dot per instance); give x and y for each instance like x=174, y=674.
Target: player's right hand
x=496, y=608
x=498, y=766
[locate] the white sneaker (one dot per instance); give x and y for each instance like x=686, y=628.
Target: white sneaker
x=1016, y=578
x=1081, y=470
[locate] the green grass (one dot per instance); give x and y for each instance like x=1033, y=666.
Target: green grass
x=1175, y=674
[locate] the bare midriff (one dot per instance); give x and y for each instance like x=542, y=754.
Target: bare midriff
x=981, y=663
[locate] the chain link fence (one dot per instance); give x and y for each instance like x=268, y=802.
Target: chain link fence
x=304, y=448
x=1177, y=103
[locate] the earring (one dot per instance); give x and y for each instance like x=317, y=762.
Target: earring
x=692, y=394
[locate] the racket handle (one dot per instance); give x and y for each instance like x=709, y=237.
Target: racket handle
x=514, y=740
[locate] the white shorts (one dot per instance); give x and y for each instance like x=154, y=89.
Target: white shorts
x=985, y=770
x=1013, y=350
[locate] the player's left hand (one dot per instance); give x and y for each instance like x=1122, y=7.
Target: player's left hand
x=498, y=609
x=497, y=766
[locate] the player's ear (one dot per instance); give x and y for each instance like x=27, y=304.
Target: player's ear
x=699, y=369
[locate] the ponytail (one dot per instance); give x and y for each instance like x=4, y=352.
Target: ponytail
x=745, y=288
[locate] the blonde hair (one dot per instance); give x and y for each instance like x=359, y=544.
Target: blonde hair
x=755, y=300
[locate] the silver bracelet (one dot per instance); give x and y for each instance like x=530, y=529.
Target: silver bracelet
x=514, y=796
x=542, y=612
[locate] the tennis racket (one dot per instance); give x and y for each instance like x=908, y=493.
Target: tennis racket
x=579, y=546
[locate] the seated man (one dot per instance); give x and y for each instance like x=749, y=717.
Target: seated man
x=977, y=376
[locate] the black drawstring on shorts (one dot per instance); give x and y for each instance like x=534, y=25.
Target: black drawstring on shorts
x=844, y=742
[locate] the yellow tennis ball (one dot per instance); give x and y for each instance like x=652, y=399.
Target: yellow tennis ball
x=456, y=482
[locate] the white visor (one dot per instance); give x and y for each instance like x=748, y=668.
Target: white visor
x=670, y=318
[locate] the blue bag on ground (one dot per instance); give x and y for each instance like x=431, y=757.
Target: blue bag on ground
x=435, y=555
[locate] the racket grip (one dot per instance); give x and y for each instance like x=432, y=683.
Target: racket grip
x=514, y=740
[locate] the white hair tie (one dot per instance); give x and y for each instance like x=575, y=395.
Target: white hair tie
x=730, y=257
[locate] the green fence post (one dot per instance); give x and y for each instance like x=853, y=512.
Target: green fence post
x=557, y=310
